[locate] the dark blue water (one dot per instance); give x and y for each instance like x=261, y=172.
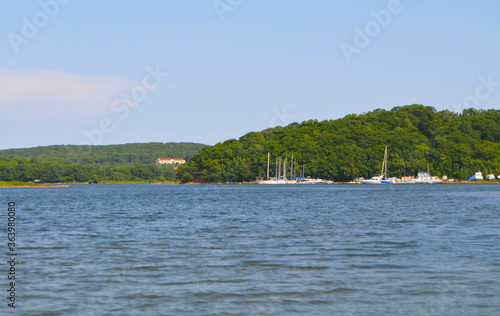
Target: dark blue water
x=255, y=250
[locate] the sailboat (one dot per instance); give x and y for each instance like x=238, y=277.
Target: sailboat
x=286, y=176
x=278, y=179
x=382, y=178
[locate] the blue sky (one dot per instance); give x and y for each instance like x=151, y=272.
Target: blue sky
x=112, y=72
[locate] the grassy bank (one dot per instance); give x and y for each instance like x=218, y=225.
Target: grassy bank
x=18, y=184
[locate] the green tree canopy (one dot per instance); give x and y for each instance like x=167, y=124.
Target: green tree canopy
x=452, y=144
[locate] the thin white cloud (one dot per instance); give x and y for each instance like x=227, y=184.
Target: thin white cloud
x=51, y=94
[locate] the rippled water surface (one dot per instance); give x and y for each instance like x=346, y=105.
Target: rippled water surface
x=256, y=250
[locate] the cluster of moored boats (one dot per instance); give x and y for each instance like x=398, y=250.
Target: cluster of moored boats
x=423, y=177
x=306, y=180
x=287, y=175
x=478, y=176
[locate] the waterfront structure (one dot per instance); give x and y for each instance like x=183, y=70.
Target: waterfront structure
x=170, y=161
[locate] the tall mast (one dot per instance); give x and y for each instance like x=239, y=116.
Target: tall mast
x=384, y=164
x=279, y=168
x=295, y=168
x=268, y=156
x=276, y=169
x=291, y=168
x=284, y=169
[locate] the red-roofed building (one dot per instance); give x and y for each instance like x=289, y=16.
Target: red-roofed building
x=170, y=161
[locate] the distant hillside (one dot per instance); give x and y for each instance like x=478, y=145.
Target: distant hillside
x=417, y=136
x=107, y=155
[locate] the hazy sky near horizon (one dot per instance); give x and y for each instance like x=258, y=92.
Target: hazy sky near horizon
x=111, y=72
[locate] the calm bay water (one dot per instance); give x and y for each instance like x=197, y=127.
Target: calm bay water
x=255, y=250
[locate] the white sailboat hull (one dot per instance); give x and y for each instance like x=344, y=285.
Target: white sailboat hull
x=375, y=181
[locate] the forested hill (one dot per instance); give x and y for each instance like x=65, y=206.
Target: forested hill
x=452, y=144
x=107, y=155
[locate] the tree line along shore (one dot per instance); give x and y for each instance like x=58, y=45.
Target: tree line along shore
x=95, y=164
x=418, y=138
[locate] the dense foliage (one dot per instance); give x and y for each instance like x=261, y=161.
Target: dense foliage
x=418, y=137
x=111, y=163
x=24, y=169
x=107, y=156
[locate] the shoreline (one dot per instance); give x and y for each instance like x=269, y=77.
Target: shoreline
x=5, y=184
